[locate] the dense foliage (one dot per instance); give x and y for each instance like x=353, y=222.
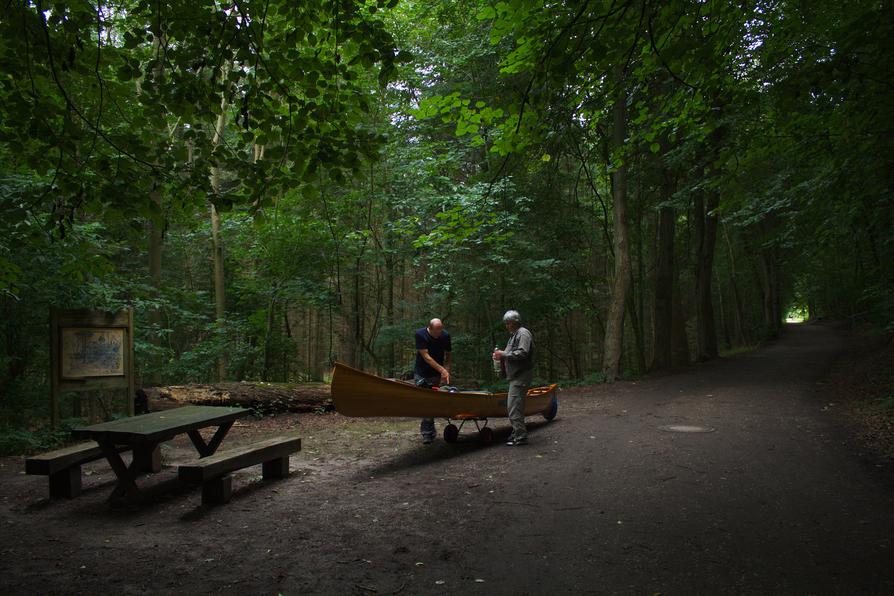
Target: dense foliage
x=275, y=185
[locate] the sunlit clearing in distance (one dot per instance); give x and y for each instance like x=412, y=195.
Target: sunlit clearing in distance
x=796, y=314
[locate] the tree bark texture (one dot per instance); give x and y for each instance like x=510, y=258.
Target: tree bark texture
x=267, y=398
x=220, y=303
x=770, y=286
x=156, y=236
x=636, y=325
x=614, y=328
x=738, y=327
x=662, y=332
x=681, y=351
x=706, y=235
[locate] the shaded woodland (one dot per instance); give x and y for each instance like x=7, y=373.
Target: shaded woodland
x=273, y=186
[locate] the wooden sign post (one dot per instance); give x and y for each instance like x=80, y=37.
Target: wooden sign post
x=89, y=350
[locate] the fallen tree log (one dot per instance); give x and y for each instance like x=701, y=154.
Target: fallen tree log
x=265, y=398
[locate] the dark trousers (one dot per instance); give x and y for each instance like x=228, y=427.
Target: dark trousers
x=427, y=426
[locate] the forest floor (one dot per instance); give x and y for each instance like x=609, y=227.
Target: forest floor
x=784, y=496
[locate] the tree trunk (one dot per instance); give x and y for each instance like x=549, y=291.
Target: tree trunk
x=680, y=339
x=268, y=336
x=706, y=235
x=155, y=248
x=287, y=327
x=389, y=314
x=220, y=304
x=356, y=336
x=724, y=317
x=614, y=328
x=662, y=335
x=637, y=287
x=770, y=285
x=18, y=354
x=738, y=328
x=637, y=325
x=310, y=353
x=264, y=398
x=156, y=244
x=640, y=281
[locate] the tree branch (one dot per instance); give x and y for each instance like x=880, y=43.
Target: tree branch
x=70, y=103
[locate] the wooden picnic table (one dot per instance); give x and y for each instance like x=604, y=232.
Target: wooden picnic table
x=143, y=434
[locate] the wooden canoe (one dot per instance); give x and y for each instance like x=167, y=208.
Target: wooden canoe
x=357, y=393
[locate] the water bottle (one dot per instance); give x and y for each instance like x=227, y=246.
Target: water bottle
x=497, y=364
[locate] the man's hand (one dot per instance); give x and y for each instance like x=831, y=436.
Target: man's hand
x=498, y=354
x=445, y=377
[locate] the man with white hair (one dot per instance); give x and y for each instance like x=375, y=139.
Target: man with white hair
x=432, y=365
x=517, y=360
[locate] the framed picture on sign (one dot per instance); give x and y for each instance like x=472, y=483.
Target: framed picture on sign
x=92, y=352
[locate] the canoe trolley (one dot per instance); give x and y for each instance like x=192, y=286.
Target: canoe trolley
x=451, y=431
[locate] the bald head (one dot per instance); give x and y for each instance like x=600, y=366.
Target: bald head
x=435, y=327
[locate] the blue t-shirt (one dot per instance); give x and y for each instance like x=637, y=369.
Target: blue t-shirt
x=437, y=348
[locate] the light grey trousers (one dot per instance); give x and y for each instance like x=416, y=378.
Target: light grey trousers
x=515, y=404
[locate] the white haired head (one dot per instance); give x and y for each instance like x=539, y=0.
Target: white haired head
x=512, y=316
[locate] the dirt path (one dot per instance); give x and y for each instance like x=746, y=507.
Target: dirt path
x=602, y=501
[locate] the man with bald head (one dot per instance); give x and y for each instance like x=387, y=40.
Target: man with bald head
x=432, y=365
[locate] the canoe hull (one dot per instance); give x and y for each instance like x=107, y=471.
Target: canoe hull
x=359, y=394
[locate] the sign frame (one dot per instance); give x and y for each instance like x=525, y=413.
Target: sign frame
x=101, y=324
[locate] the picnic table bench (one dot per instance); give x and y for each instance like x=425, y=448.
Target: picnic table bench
x=143, y=434
x=213, y=472
x=63, y=466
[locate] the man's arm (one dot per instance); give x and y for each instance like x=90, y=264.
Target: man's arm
x=524, y=347
x=444, y=372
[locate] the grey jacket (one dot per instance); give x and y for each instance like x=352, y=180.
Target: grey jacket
x=519, y=357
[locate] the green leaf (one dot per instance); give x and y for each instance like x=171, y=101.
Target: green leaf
x=486, y=13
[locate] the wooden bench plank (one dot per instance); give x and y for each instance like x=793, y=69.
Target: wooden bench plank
x=45, y=464
x=63, y=466
x=223, y=462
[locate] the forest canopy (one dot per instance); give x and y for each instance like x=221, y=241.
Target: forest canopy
x=276, y=185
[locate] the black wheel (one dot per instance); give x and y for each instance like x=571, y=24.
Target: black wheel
x=451, y=433
x=552, y=409
x=487, y=435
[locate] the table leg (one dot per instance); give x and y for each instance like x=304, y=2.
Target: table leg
x=66, y=483
x=206, y=449
x=147, y=459
x=126, y=475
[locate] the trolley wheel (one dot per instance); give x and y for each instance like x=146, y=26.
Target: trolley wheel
x=487, y=435
x=451, y=432
x=552, y=409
